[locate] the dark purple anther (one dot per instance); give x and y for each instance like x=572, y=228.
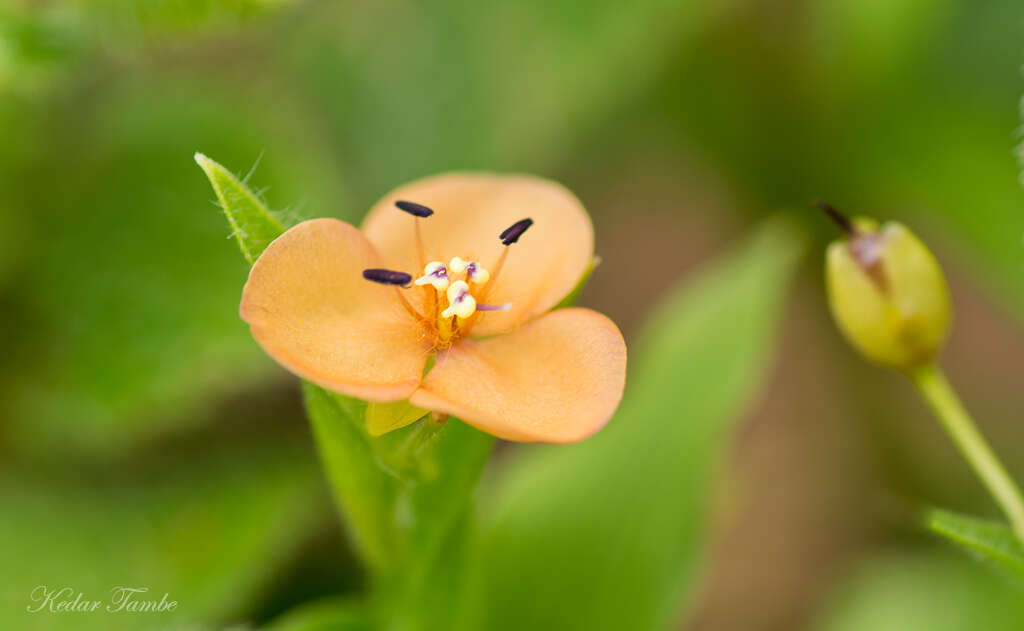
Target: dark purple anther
x=387, y=277
x=413, y=208
x=516, y=230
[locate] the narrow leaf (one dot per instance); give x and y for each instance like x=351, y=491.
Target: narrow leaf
x=401, y=494
x=363, y=490
x=427, y=593
x=989, y=540
x=253, y=225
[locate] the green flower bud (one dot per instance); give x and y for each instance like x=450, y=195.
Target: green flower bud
x=888, y=294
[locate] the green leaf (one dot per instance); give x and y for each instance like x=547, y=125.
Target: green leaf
x=406, y=498
x=401, y=494
x=364, y=491
x=438, y=525
x=989, y=540
x=253, y=225
x=607, y=534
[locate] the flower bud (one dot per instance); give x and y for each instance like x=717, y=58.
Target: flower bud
x=888, y=295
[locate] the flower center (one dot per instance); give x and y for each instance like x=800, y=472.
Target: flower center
x=453, y=300
x=451, y=303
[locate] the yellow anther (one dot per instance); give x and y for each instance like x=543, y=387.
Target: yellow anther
x=478, y=274
x=434, y=274
x=457, y=265
x=461, y=303
x=474, y=271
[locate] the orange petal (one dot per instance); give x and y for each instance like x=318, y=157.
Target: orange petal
x=470, y=211
x=557, y=379
x=310, y=308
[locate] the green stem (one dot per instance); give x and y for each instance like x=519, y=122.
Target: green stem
x=940, y=395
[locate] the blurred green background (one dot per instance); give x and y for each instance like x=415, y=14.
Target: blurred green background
x=145, y=439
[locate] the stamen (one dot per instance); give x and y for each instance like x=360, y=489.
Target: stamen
x=474, y=271
x=397, y=279
x=497, y=272
x=387, y=277
x=413, y=208
x=420, y=252
x=461, y=303
x=434, y=273
x=418, y=211
x=516, y=230
x=416, y=315
x=504, y=307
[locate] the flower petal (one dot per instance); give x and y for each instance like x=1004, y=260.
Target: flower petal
x=557, y=379
x=310, y=309
x=470, y=211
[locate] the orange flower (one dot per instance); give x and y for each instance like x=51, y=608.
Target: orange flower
x=551, y=377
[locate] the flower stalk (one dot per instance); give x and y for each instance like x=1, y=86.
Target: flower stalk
x=944, y=402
